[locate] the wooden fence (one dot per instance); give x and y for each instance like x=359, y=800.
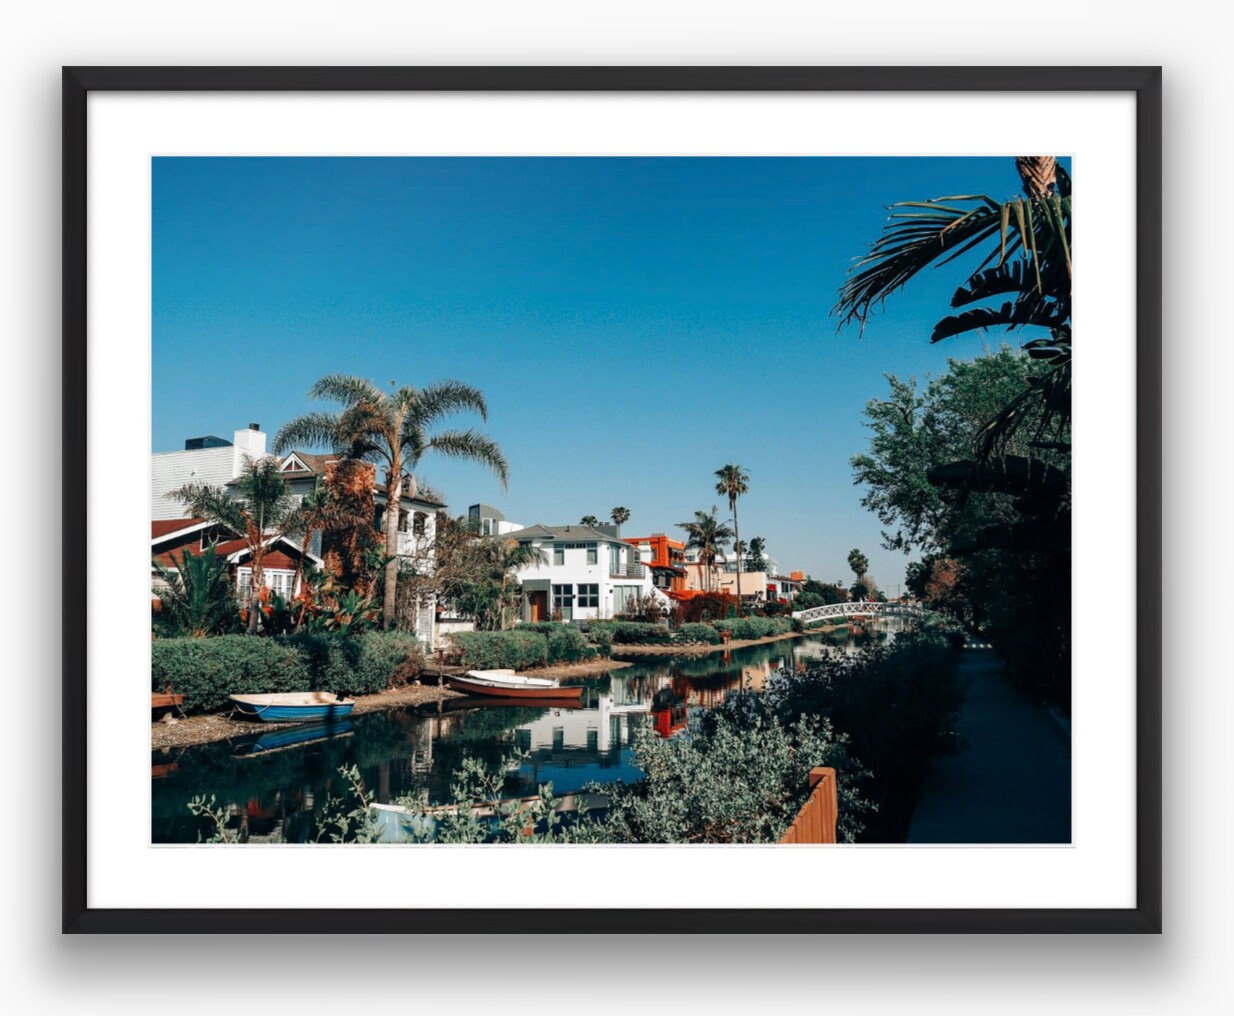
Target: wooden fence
x=816, y=822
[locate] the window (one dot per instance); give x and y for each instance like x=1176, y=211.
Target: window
x=622, y=595
x=279, y=582
x=488, y=527
x=418, y=522
x=563, y=598
x=244, y=582
x=589, y=595
x=559, y=554
x=593, y=554
x=614, y=560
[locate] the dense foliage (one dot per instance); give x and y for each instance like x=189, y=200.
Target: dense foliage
x=198, y=598
x=495, y=650
x=206, y=671
x=755, y=627
x=566, y=643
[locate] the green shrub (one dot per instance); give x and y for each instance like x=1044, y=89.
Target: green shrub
x=566, y=643
x=755, y=627
x=640, y=633
x=600, y=635
x=494, y=650
x=207, y=670
x=696, y=632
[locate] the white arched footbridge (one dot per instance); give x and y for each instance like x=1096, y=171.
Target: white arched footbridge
x=857, y=608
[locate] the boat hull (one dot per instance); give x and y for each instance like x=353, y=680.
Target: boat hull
x=293, y=708
x=469, y=686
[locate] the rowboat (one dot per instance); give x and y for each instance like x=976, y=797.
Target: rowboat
x=294, y=707
x=294, y=737
x=508, y=684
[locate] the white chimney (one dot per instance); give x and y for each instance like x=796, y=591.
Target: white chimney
x=249, y=443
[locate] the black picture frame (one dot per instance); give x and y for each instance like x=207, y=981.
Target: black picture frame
x=1144, y=82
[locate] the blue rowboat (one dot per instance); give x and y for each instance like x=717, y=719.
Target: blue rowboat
x=294, y=707
x=293, y=737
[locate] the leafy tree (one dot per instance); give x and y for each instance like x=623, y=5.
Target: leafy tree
x=395, y=430
x=860, y=591
x=709, y=536
x=826, y=592
x=589, y=520
x=620, y=516
x=260, y=509
x=732, y=482
x=758, y=552
x=322, y=508
x=1035, y=286
x=199, y=598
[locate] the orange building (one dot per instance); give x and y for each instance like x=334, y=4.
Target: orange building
x=667, y=560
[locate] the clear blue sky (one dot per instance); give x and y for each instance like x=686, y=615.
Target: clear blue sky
x=635, y=323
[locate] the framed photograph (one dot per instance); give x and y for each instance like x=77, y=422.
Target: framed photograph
x=634, y=499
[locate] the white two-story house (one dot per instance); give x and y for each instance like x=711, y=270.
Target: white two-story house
x=589, y=573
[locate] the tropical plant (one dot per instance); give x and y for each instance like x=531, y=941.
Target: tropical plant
x=860, y=565
x=395, y=431
x=1035, y=285
x=260, y=509
x=508, y=558
x=589, y=520
x=199, y=598
x=732, y=482
x=709, y=536
x=620, y=516
x=321, y=509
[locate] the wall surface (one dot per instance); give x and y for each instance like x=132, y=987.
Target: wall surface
x=1182, y=971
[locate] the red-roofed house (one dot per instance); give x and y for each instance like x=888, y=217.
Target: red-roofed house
x=174, y=536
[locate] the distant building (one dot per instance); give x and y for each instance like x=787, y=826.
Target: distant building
x=486, y=520
x=666, y=560
x=590, y=572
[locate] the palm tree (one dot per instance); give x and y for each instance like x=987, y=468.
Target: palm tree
x=260, y=510
x=1037, y=283
x=732, y=482
x=860, y=565
x=199, y=598
x=589, y=520
x=393, y=430
x=708, y=535
x=620, y=516
x=508, y=557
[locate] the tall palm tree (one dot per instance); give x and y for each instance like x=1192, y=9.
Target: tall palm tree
x=708, y=535
x=589, y=520
x=620, y=516
x=732, y=481
x=1026, y=261
x=860, y=565
x=393, y=430
x=260, y=510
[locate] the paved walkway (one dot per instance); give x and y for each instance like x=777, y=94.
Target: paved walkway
x=1012, y=783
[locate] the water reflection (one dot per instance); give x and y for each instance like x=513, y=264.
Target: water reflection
x=272, y=782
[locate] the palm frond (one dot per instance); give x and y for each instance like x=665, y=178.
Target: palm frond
x=346, y=389
x=312, y=430
x=442, y=398
x=473, y=446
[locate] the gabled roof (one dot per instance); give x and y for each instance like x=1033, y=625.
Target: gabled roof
x=162, y=530
x=297, y=465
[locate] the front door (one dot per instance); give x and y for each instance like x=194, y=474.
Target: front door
x=539, y=606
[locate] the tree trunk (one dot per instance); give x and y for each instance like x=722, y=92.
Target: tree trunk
x=394, y=498
x=737, y=544
x=255, y=586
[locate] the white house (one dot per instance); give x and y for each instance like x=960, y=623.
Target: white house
x=590, y=573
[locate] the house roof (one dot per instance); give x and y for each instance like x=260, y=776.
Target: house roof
x=164, y=529
x=540, y=531
x=315, y=465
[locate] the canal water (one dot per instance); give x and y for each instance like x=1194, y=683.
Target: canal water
x=274, y=780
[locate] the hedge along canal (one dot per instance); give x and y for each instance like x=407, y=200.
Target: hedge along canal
x=276, y=779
